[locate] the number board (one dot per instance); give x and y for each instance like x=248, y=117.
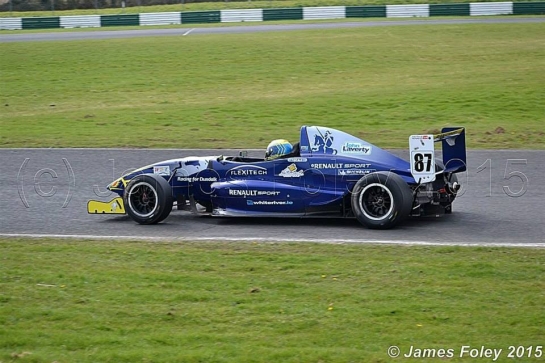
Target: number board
x=422, y=158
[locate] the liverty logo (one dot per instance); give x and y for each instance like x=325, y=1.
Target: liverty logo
x=356, y=148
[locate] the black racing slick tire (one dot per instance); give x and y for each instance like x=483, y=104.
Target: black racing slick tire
x=148, y=199
x=381, y=200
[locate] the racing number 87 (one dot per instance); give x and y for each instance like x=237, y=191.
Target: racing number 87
x=420, y=165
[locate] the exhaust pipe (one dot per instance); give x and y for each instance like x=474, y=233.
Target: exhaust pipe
x=454, y=188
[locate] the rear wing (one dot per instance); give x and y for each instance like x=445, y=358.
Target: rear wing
x=453, y=143
x=422, y=150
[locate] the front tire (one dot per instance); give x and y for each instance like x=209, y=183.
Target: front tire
x=148, y=199
x=381, y=200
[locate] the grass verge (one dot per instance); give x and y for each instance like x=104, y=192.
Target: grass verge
x=90, y=301
x=242, y=90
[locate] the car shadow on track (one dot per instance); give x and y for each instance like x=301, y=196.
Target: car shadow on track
x=411, y=222
x=185, y=218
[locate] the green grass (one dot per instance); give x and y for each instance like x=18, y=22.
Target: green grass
x=89, y=301
x=242, y=90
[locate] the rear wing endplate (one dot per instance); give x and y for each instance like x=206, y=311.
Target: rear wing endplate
x=453, y=143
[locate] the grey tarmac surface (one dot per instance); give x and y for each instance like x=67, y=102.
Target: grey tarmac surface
x=185, y=31
x=45, y=191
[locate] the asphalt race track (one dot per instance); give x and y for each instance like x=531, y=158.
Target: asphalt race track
x=184, y=31
x=45, y=191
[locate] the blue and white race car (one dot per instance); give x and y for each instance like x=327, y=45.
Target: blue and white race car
x=327, y=173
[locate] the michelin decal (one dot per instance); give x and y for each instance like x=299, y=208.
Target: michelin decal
x=356, y=171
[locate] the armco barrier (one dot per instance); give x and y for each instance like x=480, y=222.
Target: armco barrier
x=11, y=23
x=120, y=20
x=449, y=9
x=80, y=21
x=529, y=8
x=305, y=13
x=201, y=17
x=503, y=8
x=160, y=18
x=324, y=12
x=405, y=11
x=377, y=11
x=283, y=14
x=41, y=23
x=234, y=16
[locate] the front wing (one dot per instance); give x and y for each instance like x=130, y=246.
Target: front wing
x=114, y=206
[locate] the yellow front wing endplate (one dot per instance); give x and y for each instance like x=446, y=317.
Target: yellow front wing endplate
x=114, y=206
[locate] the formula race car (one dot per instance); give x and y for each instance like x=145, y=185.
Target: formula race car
x=326, y=173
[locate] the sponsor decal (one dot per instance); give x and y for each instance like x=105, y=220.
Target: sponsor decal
x=268, y=192
x=197, y=179
x=297, y=160
x=323, y=143
x=161, y=170
x=247, y=170
x=339, y=166
x=304, y=148
x=252, y=193
x=357, y=166
x=423, y=139
x=327, y=166
x=356, y=171
x=291, y=172
x=269, y=202
x=356, y=148
x=114, y=206
x=243, y=192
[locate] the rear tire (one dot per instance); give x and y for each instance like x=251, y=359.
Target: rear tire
x=381, y=200
x=148, y=199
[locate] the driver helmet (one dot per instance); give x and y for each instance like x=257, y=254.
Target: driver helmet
x=277, y=149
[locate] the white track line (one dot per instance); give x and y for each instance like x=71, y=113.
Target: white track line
x=187, y=32
x=272, y=240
